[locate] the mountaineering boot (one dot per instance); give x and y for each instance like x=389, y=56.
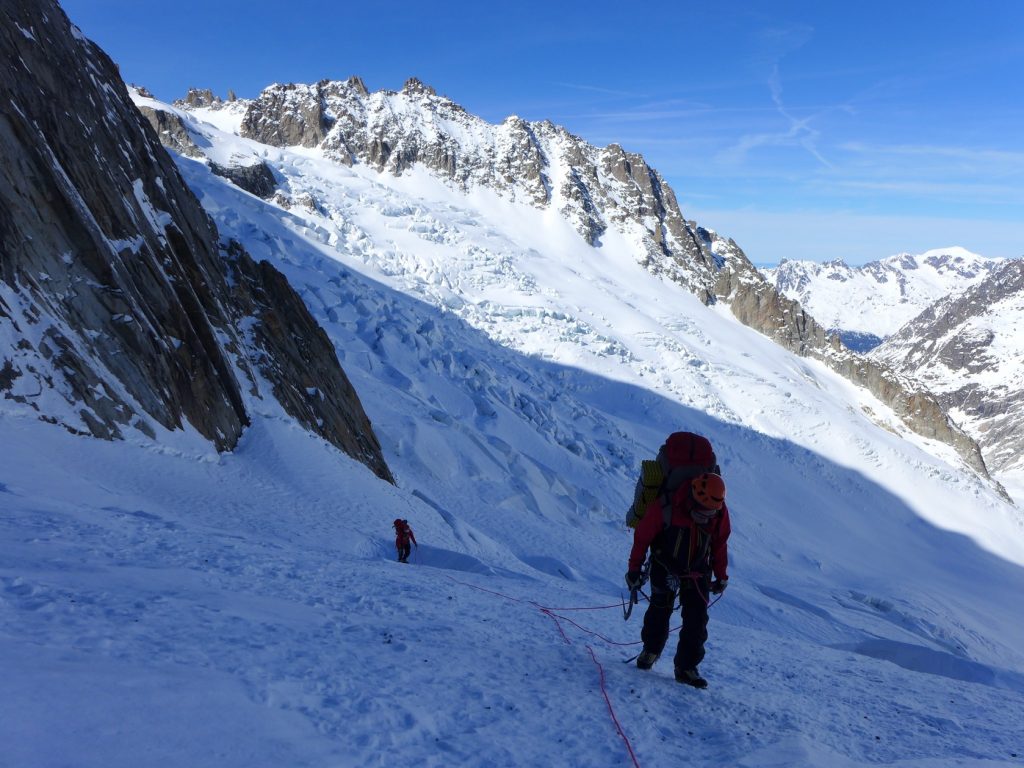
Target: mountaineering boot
x=690, y=677
x=646, y=659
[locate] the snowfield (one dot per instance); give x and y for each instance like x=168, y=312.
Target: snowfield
x=164, y=605
x=180, y=608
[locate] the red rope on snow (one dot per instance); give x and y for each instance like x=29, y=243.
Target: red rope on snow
x=557, y=624
x=611, y=709
x=550, y=613
x=488, y=591
x=555, y=617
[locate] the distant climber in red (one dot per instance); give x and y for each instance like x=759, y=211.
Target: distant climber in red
x=404, y=539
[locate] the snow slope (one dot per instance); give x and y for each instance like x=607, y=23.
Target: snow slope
x=185, y=609
x=169, y=606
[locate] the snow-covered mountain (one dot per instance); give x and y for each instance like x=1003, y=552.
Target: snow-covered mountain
x=538, y=163
x=167, y=604
x=969, y=349
x=865, y=304
x=516, y=372
x=601, y=192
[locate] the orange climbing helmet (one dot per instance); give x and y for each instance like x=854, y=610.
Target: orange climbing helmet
x=709, y=490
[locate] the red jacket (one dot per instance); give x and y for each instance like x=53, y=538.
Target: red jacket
x=403, y=534
x=653, y=523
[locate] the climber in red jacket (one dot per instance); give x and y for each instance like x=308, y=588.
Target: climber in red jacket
x=404, y=538
x=688, y=542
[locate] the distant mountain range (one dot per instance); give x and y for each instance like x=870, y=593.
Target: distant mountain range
x=947, y=318
x=865, y=304
x=968, y=348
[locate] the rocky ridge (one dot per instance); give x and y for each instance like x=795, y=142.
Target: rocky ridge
x=539, y=163
x=120, y=309
x=968, y=348
x=255, y=177
x=593, y=188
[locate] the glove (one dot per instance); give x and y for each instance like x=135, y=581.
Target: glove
x=718, y=587
x=634, y=579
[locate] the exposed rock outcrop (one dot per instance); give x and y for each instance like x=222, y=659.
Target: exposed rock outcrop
x=200, y=97
x=296, y=356
x=116, y=307
x=256, y=179
x=288, y=116
x=172, y=131
x=756, y=303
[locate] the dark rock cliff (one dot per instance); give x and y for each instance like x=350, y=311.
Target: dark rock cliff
x=118, y=308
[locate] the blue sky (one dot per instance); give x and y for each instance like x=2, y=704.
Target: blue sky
x=813, y=130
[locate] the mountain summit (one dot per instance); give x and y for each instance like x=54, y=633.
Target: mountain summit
x=539, y=163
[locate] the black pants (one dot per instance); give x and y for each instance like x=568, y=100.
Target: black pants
x=693, y=594
x=403, y=552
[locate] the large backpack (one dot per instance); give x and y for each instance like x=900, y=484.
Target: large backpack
x=682, y=550
x=683, y=456
x=402, y=531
